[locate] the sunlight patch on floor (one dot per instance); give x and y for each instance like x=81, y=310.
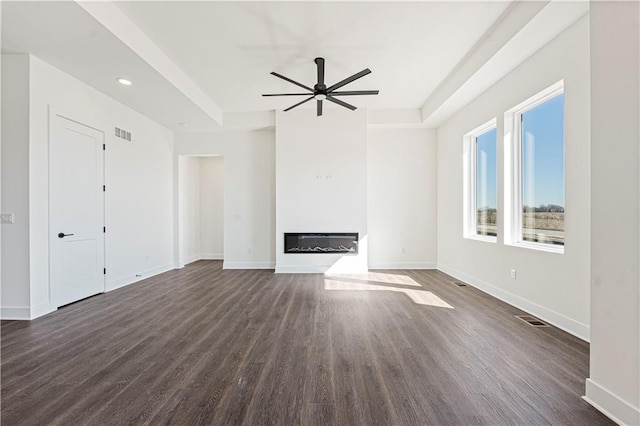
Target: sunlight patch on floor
x=378, y=277
x=420, y=297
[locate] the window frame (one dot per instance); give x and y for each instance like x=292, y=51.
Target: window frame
x=470, y=215
x=513, y=170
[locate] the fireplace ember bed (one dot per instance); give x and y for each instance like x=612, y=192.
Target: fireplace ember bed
x=319, y=243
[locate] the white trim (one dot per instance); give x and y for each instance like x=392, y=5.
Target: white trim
x=122, y=282
x=191, y=259
x=15, y=313
x=403, y=265
x=296, y=269
x=469, y=160
x=41, y=309
x=513, y=170
x=211, y=256
x=559, y=320
x=484, y=238
x=611, y=405
x=248, y=265
x=551, y=248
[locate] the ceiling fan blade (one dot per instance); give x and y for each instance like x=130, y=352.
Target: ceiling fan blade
x=320, y=64
x=355, y=92
x=299, y=103
x=289, y=94
x=292, y=81
x=319, y=107
x=349, y=79
x=341, y=103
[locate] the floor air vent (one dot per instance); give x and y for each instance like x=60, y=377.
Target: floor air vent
x=458, y=283
x=532, y=321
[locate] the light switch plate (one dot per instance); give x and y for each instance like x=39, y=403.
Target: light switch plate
x=6, y=218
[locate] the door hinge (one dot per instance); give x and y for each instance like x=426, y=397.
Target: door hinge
x=104, y=146
x=104, y=271
x=104, y=188
x=104, y=229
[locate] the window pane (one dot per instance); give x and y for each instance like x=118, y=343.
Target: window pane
x=543, y=172
x=486, y=183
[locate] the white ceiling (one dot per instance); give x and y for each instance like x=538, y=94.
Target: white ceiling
x=65, y=36
x=189, y=60
x=229, y=49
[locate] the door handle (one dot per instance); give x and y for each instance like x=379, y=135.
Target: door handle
x=62, y=235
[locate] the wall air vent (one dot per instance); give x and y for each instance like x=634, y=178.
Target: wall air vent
x=533, y=321
x=123, y=134
x=458, y=283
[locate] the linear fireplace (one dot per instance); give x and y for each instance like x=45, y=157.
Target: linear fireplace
x=344, y=242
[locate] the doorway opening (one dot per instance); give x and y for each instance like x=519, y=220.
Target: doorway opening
x=200, y=208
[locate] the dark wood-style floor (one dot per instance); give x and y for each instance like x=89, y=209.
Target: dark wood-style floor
x=204, y=345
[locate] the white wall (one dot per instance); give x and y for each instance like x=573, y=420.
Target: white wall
x=249, y=192
x=189, y=172
x=401, y=196
x=15, y=292
x=138, y=176
x=211, y=208
x=552, y=286
x=321, y=184
x=614, y=382
x=391, y=172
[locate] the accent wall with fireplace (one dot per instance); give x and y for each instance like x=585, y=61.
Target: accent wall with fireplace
x=321, y=190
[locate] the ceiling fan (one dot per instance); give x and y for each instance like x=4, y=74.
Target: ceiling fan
x=321, y=92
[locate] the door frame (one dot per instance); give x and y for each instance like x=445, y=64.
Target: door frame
x=53, y=114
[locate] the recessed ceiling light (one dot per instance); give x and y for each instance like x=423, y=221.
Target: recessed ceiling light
x=183, y=124
x=124, y=81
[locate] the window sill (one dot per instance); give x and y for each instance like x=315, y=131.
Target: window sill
x=550, y=248
x=485, y=238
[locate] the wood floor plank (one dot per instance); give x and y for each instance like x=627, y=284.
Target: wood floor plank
x=203, y=345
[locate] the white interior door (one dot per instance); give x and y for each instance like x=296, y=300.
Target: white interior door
x=76, y=200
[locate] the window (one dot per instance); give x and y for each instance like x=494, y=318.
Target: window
x=480, y=209
x=534, y=161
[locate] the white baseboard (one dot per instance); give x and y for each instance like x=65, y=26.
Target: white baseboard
x=403, y=265
x=191, y=259
x=122, y=282
x=559, y=320
x=210, y=256
x=302, y=269
x=41, y=309
x=15, y=313
x=611, y=405
x=248, y=265
x=318, y=269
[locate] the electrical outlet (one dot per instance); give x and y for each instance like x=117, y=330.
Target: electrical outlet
x=6, y=218
x=403, y=250
x=249, y=250
x=513, y=274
